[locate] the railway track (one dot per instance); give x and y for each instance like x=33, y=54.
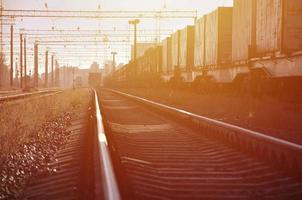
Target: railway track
x=72, y=176
x=162, y=153
x=125, y=147
x=6, y=92
x=82, y=167
x=19, y=96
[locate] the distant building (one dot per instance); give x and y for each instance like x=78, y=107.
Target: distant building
x=69, y=76
x=141, y=48
x=108, y=66
x=95, y=67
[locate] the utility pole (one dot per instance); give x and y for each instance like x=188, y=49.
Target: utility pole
x=36, y=63
x=52, y=71
x=113, y=61
x=134, y=22
x=46, y=68
x=21, y=61
x=25, y=70
x=11, y=55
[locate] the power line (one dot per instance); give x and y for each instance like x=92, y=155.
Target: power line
x=99, y=14
x=90, y=30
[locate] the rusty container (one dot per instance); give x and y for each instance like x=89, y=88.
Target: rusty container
x=158, y=57
x=219, y=37
x=199, y=42
x=175, y=40
x=167, y=55
x=186, y=48
x=279, y=26
x=244, y=30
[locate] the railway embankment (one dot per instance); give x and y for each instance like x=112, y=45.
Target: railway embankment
x=31, y=134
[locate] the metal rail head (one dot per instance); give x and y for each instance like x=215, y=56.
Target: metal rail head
x=28, y=94
x=279, y=151
x=110, y=186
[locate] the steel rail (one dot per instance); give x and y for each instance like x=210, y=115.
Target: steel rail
x=219, y=123
x=8, y=91
x=276, y=149
x=25, y=95
x=110, y=186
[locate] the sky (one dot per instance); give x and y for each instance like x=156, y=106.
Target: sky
x=85, y=55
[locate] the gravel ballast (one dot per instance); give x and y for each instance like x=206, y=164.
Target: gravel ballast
x=32, y=158
x=31, y=132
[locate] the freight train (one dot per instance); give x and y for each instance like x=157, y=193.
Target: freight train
x=255, y=41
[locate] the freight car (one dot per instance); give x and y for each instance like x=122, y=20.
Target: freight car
x=186, y=52
x=255, y=41
x=213, y=44
x=178, y=52
x=266, y=41
x=167, y=68
x=267, y=38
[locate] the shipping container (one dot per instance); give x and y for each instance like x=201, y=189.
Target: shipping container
x=132, y=69
x=141, y=48
x=167, y=56
x=140, y=64
x=279, y=26
x=144, y=60
x=186, y=48
x=219, y=37
x=244, y=29
x=175, y=40
x=158, y=59
x=150, y=60
x=199, y=49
